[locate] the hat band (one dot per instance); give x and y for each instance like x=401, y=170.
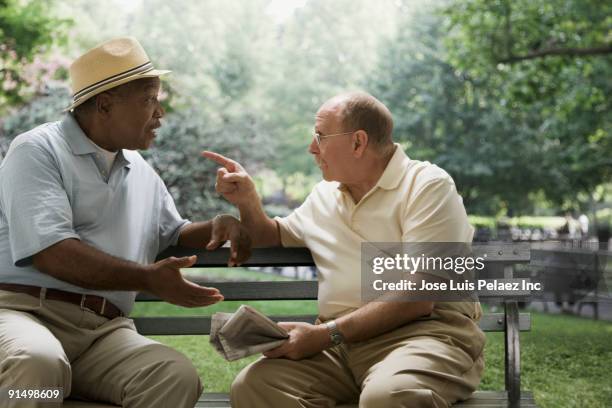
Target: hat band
x=141, y=69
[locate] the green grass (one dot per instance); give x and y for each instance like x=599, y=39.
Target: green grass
x=216, y=373
x=264, y=306
x=566, y=361
x=233, y=274
x=523, y=222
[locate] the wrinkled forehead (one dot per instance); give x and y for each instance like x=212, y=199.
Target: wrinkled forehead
x=329, y=115
x=148, y=84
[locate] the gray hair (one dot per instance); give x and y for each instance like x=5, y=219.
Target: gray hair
x=362, y=111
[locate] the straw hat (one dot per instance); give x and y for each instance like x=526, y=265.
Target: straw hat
x=108, y=65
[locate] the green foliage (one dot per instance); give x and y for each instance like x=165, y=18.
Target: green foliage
x=27, y=28
x=233, y=74
x=515, y=135
x=323, y=49
x=485, y=32
x=507, y=133
x=448, y=118
x=526, y=54
x=189, y=177
x=45, y=108
x=479, y=221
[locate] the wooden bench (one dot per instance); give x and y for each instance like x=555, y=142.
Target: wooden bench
x=573, y=274
x=510, y=321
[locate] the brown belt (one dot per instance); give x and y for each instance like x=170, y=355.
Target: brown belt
x=96, y=304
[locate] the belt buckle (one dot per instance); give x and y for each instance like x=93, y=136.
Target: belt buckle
x=83, y=307
x=99, y=313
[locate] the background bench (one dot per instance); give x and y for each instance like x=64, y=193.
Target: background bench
x=578, y=274
x=510, y=321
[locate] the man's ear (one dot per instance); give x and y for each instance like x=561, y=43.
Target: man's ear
x=104, y=103
x=360, y=142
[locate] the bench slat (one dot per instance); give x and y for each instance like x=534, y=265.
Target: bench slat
x=480, y=399
x=297, y=290
x=275, y=290
x=495, y=252
x=493, y=322
x=260, y=256
x=503, y=252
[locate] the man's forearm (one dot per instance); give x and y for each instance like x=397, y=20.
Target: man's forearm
x=376, y=318
x=195, y=235
x=262, y=229
x=82, y=265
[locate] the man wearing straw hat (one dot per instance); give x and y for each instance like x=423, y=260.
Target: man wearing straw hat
x=82, y=219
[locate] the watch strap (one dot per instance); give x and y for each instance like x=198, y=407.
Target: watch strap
x=336, y=337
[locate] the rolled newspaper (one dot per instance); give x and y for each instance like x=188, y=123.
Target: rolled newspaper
x=244, y=333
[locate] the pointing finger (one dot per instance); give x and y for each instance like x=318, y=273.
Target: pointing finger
x=220, y=159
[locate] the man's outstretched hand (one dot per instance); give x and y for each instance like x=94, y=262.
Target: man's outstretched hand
x=164, y=279
x=233, y=182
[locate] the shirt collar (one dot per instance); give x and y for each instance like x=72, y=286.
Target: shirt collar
x=79, y=143
x=395, y=170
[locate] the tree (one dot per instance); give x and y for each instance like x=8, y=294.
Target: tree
x=450, y=119
x=515, y=31
x=27, y=28
x=551, y=62
x=41, y=109
x=324, y=48
x=505, y=132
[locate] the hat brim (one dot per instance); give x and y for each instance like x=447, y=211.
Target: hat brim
x=84, y=98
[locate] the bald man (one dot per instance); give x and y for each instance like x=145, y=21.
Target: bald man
x=383, y=354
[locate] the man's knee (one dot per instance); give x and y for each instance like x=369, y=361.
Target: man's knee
x=36, y=368
x=179, y=372
x=399, y=391
x=260, y=380
x=171, y=375
x=250, y=379
x=182, y=371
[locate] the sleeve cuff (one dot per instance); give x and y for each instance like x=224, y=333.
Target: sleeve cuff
x=288, y=238
x=23, y=256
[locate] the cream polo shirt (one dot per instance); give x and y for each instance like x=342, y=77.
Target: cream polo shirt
x=413, y=201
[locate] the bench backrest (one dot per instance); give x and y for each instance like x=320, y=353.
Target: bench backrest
x=505, y=254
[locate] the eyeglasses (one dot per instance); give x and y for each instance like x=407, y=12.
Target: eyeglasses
x=318, y=137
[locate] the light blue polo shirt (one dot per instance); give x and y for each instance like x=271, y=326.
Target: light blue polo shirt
x=53, y=186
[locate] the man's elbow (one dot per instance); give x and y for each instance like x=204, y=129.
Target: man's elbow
x=425, y=308
x=42, y=260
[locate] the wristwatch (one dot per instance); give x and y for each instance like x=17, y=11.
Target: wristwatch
x=336, y=337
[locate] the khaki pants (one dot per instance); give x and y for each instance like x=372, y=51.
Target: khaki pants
x=429, y=363
x=48, y=343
